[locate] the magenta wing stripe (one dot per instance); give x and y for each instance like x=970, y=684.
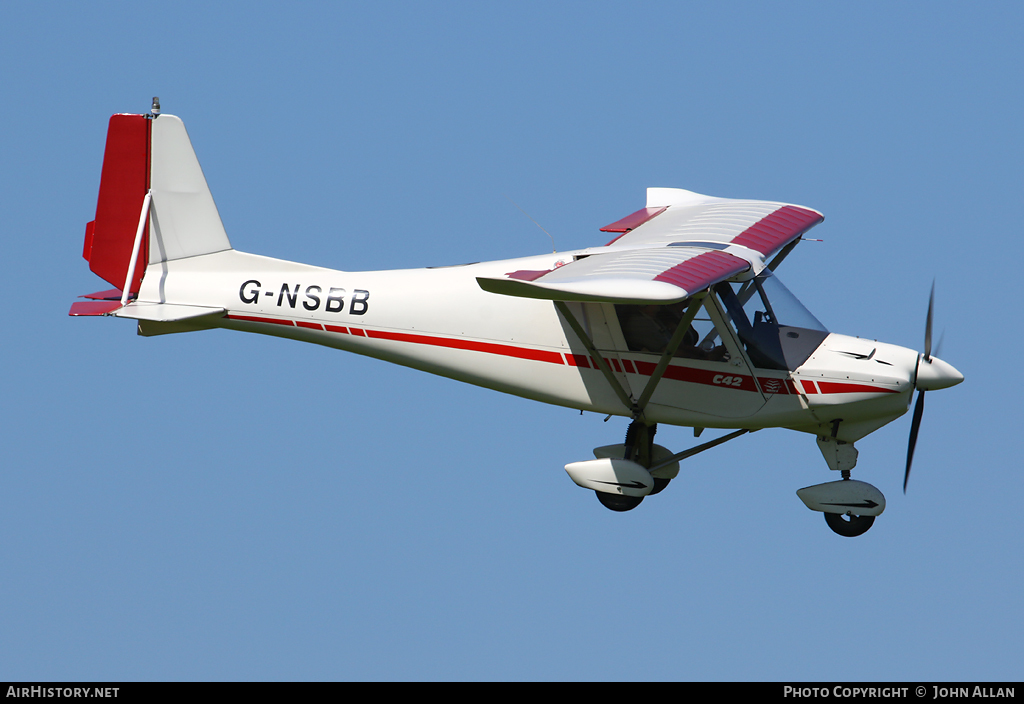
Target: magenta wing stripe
x=702, y=271
x=778, y=228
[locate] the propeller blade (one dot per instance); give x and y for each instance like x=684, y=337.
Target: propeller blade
x=928, y=327
x=914, y=427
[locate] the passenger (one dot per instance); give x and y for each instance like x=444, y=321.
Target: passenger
x=644, y=330
x=650, y=328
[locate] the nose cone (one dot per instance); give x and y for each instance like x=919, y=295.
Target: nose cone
x=936, y=374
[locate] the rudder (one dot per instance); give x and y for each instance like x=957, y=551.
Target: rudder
x=124, y=181
x=150, y=153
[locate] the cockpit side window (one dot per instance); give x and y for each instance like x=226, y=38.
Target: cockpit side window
x=650, y=328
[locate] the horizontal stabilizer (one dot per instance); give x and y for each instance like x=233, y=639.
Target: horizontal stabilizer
x=167, y=312
x=111, y=294
x=94, y=307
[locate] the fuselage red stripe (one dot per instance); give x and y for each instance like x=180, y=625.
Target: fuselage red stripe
x=455, y=343
x=832, y=387
x=578, y=360
x=693, y=375
x=255, y=319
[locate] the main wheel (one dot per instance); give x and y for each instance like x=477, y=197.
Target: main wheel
x=849, y=526
x=659, y=485
x=618, y=502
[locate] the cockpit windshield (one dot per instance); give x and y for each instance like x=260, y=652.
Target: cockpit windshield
x=777, y=331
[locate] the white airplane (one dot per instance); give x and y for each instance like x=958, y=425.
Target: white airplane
x=679, y=319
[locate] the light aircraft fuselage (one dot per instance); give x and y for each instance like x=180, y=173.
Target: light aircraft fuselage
x=679, y=319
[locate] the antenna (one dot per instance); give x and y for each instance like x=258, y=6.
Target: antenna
x=553, y=249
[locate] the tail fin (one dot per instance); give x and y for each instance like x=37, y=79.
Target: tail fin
x=184, y=218
x=146, y=153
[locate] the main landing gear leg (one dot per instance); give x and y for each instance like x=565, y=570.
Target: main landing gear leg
x=639, y=446
x=641, y=465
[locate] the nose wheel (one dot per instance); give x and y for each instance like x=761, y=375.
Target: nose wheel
x=848, y=525
x=850, y=506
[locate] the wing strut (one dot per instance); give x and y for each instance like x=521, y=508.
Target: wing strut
x=673, y=345
x=636, y=408
x=783, y=254
x=601, y=363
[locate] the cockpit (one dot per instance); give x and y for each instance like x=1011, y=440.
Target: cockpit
x=775, y=330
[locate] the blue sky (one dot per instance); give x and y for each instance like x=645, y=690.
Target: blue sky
x=225, y=506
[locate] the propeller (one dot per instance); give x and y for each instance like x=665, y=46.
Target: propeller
x=915, y=425
x=930, y=373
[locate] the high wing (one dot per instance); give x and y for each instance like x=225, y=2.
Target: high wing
x=650, y=275
x=680, y=243
x=674, y=215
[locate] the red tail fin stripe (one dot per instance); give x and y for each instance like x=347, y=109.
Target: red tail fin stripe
x=123, y=185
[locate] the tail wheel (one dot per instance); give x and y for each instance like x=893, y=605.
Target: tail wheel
x=618, y=502
x=849, y=526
